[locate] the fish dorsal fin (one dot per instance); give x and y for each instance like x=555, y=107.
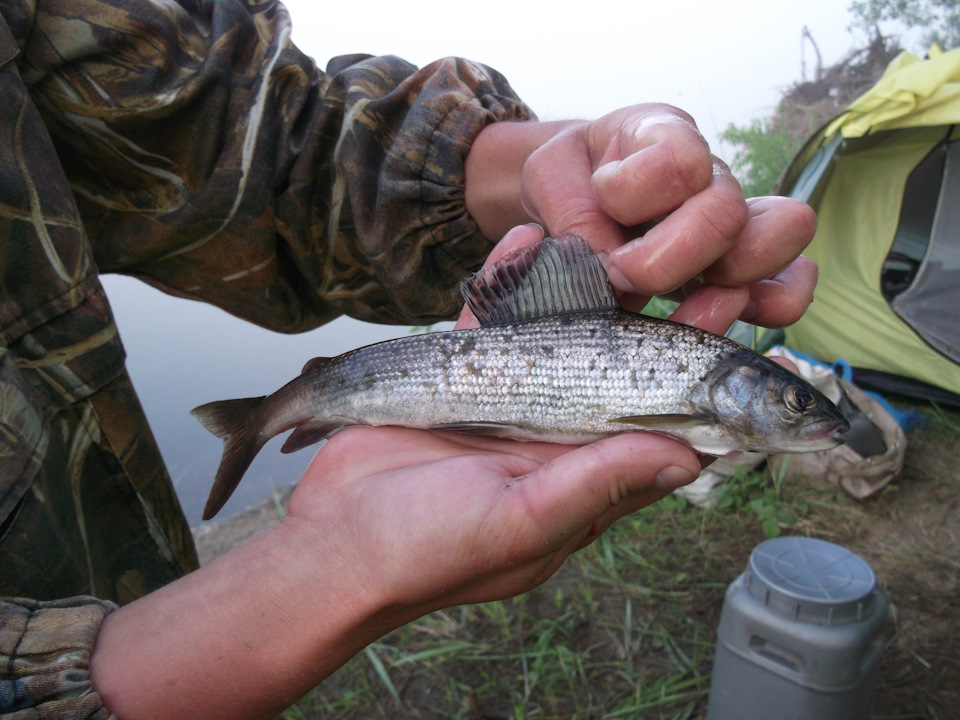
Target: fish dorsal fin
x=557, y=275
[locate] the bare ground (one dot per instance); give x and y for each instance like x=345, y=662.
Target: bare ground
x=911, y=537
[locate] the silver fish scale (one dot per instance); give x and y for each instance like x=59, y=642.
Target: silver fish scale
x=559, y=377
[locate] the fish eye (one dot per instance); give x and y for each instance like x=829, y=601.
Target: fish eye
x=799, y=398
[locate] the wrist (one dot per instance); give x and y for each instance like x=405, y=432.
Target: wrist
x=494, y=173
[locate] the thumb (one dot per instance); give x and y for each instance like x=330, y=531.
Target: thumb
x=623, y=473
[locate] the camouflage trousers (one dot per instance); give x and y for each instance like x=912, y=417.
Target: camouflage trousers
x=86, y=506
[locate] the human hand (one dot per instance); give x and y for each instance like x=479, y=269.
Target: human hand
x=641, y=186
x=386, y=525
x=422, y=520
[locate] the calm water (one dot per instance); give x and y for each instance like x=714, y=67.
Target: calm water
x=181, y=354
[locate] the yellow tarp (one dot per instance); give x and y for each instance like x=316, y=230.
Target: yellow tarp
x=858, y=204
x=910, y=93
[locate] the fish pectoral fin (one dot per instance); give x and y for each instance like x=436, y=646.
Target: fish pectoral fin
x=665, y=422
x=494, y=429
x=308, y=434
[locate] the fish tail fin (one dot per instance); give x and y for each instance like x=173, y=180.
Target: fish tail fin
x=235, y=422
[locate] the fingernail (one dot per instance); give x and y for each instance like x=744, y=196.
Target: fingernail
x=750, y=312
x=670, y=478
x=606, y=171
x=619, y=280
x=538, y=226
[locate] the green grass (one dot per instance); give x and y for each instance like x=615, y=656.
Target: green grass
x=946, y=417
x=761, y=494
x=626, y=629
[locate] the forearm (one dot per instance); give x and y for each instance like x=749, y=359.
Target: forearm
x=243, y=637
x=494, y=170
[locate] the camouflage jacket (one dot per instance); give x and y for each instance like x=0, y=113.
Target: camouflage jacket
x=192, y=145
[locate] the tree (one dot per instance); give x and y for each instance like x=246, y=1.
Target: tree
x=765, y=148
x=939, y=20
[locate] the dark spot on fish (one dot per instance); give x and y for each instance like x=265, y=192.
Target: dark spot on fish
x=653, y=345
x=682, y=367
x=468, y=345
x=547, y=350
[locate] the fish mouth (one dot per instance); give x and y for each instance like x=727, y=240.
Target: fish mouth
x=827, y=434
x=838, y=437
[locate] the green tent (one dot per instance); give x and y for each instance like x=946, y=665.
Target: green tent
x=884, y=178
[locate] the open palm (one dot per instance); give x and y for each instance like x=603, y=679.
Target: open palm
x=435, y=519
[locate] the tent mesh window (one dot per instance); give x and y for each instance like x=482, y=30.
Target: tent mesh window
x=921, y=194
x=922, y=269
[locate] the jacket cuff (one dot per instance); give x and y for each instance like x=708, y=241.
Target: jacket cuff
x=45, y=650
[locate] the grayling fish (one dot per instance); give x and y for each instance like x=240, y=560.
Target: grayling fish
x=555, y=359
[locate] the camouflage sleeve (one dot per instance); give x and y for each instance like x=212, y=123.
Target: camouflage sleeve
x=196, y=148
x=212, y=158
x=45, y=656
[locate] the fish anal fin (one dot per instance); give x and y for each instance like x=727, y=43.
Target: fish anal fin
x=234, y=421
x=557, y=275
x=308, y=434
